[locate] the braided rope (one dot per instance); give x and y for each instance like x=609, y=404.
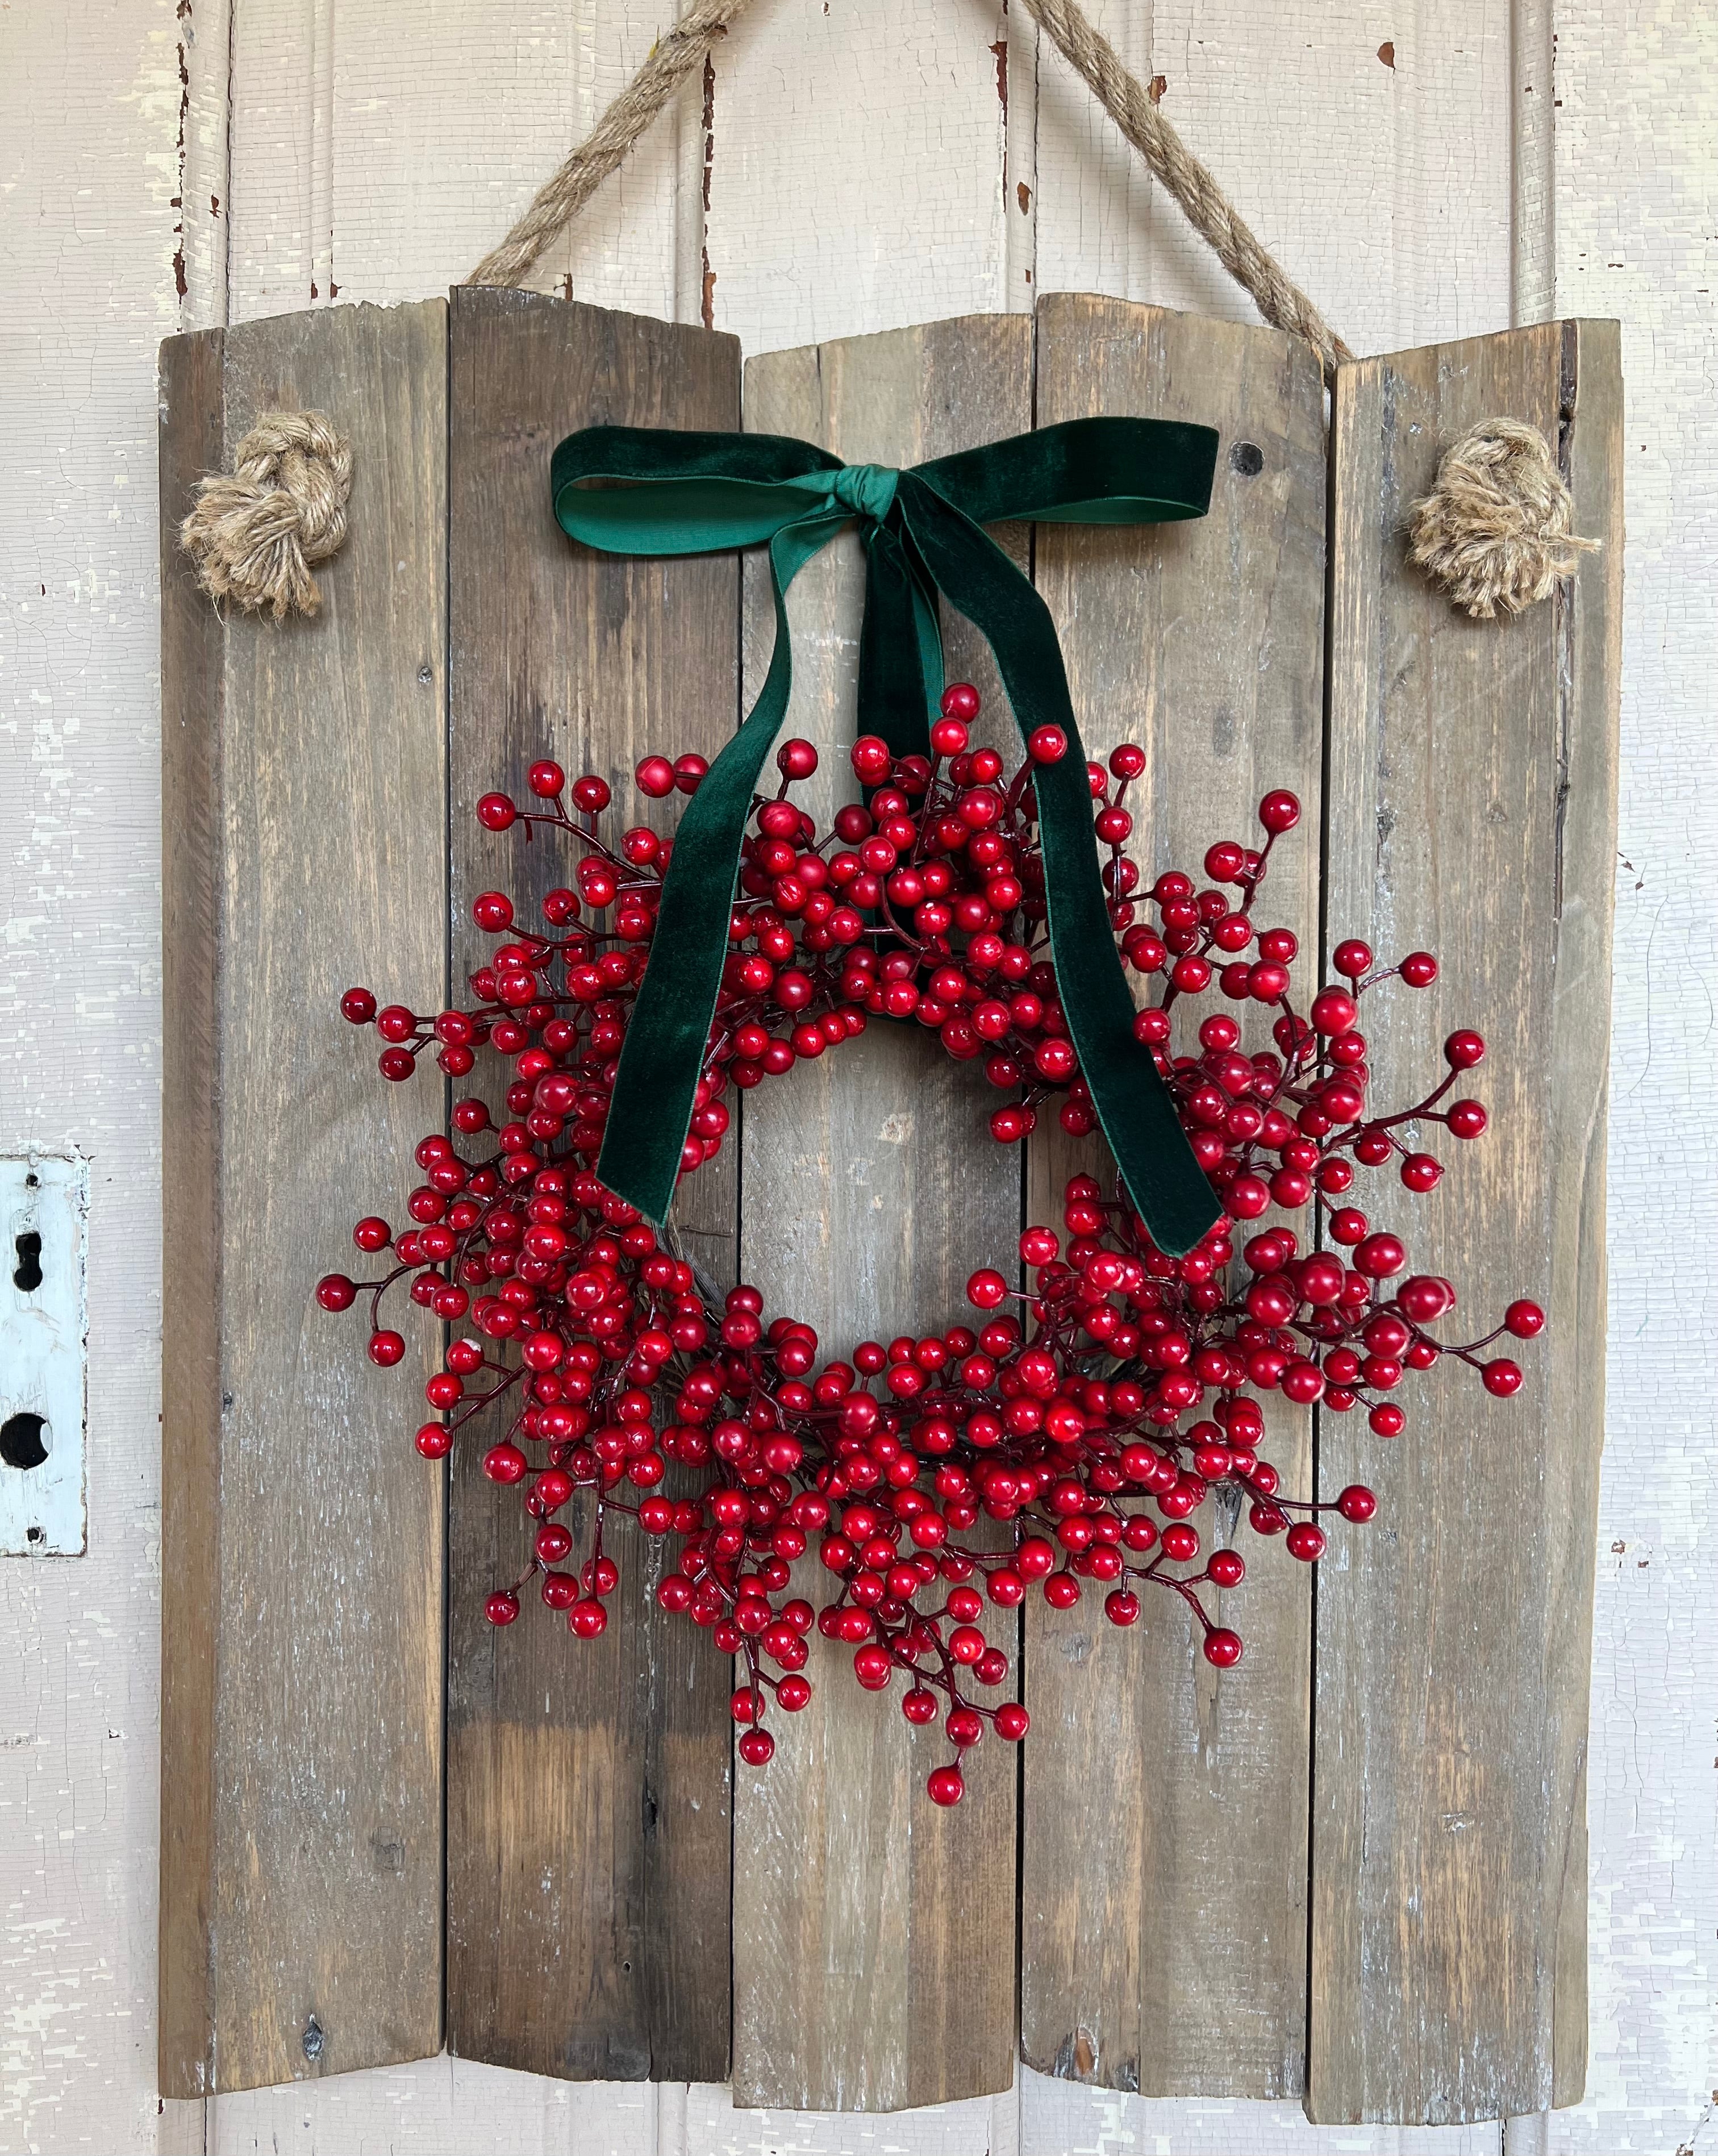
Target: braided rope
x=567, y=191
x=1208, y=209
x=1121, y=93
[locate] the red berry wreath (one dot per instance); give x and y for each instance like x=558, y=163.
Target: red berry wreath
x=1093, y=1418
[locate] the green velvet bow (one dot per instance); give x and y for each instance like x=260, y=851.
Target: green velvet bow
x=645, y=490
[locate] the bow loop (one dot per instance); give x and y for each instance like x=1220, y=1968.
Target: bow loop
x=669, y=493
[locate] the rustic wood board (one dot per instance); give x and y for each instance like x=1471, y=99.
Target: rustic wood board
x=303, y=813
x=587, y=1825
x=192, y=711
x=1164, y=1824
x=874, y=1955
x=1474, y=766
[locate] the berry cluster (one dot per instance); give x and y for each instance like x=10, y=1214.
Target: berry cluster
x=1088, y=1415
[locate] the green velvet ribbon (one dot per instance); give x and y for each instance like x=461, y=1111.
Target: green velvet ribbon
x=646, y=490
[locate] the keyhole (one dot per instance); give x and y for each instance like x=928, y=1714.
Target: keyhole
x=29, y=1273
x=21, y=1444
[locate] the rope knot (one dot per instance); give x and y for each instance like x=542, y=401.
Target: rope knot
x=1496, y=529
x=256, y=532
x=867, y=490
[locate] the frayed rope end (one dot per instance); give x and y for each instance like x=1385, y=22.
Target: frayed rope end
x=257, y=531
x=1496, y=530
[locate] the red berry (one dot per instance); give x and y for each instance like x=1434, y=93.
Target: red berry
x=756, y=1747
x=357, y=1006
x=1379, y=1256
x=495, y=812
x=1333, y=1011
x=386, y=1349
x=1419, y=969
x=1304, y=1541
x=1356, y=1502
x=1421, y=1172
x=871, y=760
x=1467, y=1119
x=946, y=1785
x=501, y=1607
x=796, y=759
x=1279, y=812
x=1463, y=1049
x=655, y=777
x=545, y=778
x=985, y=1289
x=1524, y=1319
x=335, y=1291
x=1425, y=1298
x=1352, y=959
x=960, y=701
x=1223, y=1647
x=1501, y=1378
x=1047, y=744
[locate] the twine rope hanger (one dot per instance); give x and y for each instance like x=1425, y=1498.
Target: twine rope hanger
x=1117, y=88
x=1496, y=530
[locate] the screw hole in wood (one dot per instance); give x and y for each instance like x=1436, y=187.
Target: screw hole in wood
x=28, y=1273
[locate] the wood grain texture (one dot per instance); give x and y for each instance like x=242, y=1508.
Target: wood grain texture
x=1164, y=1830
x=305, y=1625
x=587, y=1881
x=877, y=1969
x=1475, y=767
x=192, y=716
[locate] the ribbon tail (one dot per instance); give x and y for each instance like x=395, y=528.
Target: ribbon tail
x=662, y=1057
x=901, y=649
x=1168, y=1188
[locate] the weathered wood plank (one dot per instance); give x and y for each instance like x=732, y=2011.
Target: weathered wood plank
x=1164, y=1829
x=588, y=1880
x=1473, y=778
x=873, y=1965
x=192, y=711
x=305, y=1627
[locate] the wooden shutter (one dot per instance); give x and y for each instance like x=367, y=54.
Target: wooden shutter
x=1389, y=1784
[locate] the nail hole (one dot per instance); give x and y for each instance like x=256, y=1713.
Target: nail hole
x=1247, y=459
x=34, y=1534
x=32, y=1181
x=29, y=1273
x=23, y=1441
x=314, y=2039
